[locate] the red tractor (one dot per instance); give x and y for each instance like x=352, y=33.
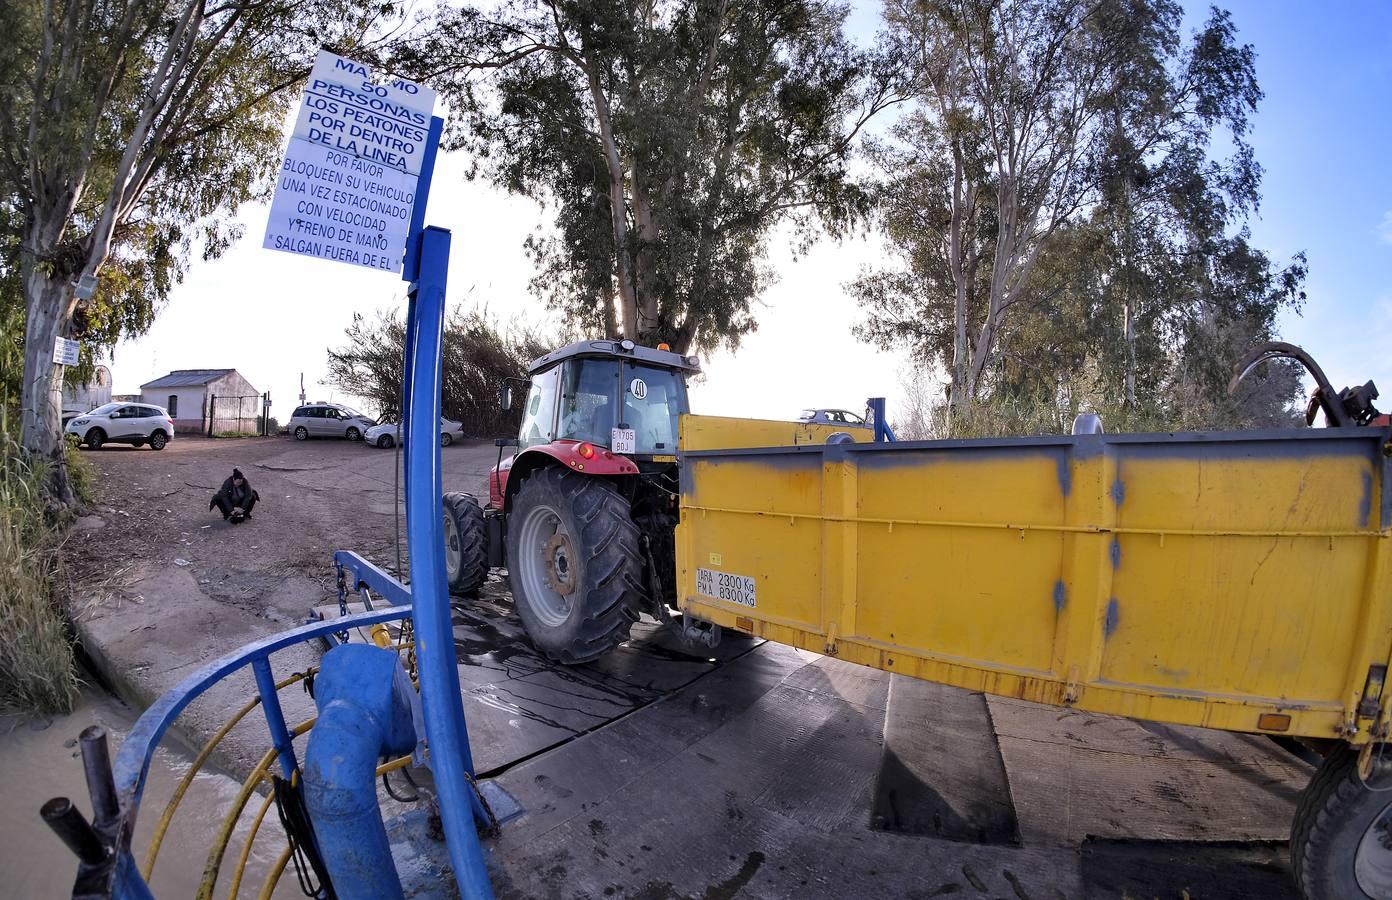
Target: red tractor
x=583, y=515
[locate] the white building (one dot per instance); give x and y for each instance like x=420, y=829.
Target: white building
x=83, y=398
x=204, y=401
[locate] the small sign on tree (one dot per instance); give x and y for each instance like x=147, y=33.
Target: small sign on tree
x=65, y=352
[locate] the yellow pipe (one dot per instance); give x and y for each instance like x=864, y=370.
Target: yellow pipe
x=1066, y=529
x=229, y=822
x=273, y=876
x=168, y=816
x=246, y=847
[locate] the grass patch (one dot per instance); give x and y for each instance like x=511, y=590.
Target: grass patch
x=37, y=671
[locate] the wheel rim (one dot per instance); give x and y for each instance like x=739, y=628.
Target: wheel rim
x=547, y=566
x=353, y=434
x=445, y=440
x=157, y=442
x=452, y=548
x=382, y=442
x=301, y=434
x=1372, y=864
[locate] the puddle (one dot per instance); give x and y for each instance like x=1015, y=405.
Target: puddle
x=35, y=766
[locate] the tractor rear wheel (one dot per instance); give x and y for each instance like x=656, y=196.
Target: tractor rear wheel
x=1341, y=840
x=575, y=564
x=466, y=543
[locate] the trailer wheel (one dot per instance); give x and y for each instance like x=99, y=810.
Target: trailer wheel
x=575, y=564
x=1341, y=840
x=466, y=543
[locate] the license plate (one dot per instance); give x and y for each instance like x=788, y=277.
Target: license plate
x=724, y=586
x=623, y=440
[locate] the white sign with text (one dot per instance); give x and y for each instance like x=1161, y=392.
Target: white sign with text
x=66, y=352
x=347, y=187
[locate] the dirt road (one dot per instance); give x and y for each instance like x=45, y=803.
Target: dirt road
x=160, y=585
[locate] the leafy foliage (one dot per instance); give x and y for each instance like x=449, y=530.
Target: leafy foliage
x=130, y=131
x=479, y=357
x=1061, y=227
x=670, y=137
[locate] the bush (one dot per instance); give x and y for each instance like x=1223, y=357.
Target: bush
x=479, y=357
x=36, y=659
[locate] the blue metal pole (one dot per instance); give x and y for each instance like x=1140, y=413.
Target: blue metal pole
x=411, y=267
x=451, y=761
x=877, y=411
x=275, y=718
x=410, y=270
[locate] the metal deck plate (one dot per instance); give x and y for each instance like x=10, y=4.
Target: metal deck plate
x=763, y=771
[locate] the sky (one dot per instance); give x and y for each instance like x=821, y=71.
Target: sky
x=1323, y=134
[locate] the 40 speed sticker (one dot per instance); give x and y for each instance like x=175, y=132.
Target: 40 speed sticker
x=724, y=586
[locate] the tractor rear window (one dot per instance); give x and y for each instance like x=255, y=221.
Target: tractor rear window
x=653, y=400
x=539, y=415
x=587, y=400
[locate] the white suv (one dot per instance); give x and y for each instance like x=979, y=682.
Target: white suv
x=328, y=420
x=123, y=423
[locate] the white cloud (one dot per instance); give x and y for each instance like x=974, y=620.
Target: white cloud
x=1385, y=228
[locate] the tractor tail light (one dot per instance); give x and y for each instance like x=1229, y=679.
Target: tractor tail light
x=586, y=450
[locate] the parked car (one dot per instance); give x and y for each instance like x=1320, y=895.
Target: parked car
x=123, y=423
x=843, y=417
x=328, y=420
x=388, y=433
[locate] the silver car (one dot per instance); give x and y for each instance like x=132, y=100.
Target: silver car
x=842, y=417
x=386, y=434
x=328, y=420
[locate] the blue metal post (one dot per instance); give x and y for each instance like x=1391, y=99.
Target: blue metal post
x=877, y=412
x=451, y=761
x=275, y=718
x=411, y=268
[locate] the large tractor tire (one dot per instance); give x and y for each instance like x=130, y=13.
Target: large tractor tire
x=575, y=564
x=466, y=544
x=1341, y=840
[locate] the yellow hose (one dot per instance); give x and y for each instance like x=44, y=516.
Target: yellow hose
x=168, y=816
x=229, y=822
x=273, y=876
x=246, y=848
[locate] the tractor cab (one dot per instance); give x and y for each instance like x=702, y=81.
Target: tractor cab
x=598, y=407
x=625, y=400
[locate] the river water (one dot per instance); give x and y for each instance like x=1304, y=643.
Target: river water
x=40, y=759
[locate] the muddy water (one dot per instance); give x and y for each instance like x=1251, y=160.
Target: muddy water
x=39, y=759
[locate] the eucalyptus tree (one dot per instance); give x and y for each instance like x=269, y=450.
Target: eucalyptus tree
x=130, y=131
x=1043, y=129
x=669, y=137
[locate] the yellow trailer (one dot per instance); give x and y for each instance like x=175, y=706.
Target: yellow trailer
x=1240, y=581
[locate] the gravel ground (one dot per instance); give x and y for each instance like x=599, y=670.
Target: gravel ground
x=159, y=585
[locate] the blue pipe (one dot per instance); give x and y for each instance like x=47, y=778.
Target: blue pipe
x=877, y=412
x=364, y=714
x=451, y=761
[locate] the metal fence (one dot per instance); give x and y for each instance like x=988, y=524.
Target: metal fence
x=243, y=414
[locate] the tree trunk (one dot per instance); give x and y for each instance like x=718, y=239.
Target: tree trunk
x=48, y=313
x=1128, y=297
x=1129, y=330
x=643, y=275
x=960, y=197
x=618, y=207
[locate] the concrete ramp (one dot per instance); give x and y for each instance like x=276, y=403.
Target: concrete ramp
x=761, y=771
